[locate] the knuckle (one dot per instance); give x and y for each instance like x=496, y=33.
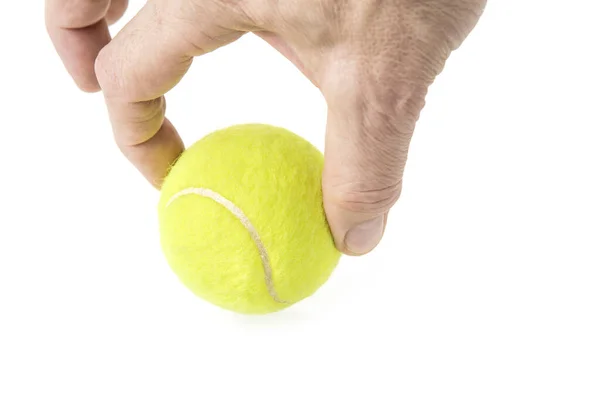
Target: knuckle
x=146, y=121
x=366, y=198
x=114, y=78
x=105, y=71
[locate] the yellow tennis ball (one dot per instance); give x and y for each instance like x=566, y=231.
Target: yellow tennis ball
x=242, y=222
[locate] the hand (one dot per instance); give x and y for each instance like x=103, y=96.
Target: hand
x=373, y=61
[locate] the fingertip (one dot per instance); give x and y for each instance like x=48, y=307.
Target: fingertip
x=89, y=86
x=355, y=233
x=364, y=237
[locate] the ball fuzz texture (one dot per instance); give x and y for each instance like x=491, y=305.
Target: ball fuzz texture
x=242, y=222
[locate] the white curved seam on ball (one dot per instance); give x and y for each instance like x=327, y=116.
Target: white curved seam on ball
x=245, y=221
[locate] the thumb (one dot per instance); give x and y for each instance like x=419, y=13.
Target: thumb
x=369, y=129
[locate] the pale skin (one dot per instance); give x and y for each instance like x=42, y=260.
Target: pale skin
x=373, y=61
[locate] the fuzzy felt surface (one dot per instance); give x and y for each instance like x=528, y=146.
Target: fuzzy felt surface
x=274, y=177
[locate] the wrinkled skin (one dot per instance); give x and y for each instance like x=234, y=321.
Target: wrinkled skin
x=373, y=60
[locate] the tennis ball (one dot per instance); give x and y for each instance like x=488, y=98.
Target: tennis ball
x=241, y=219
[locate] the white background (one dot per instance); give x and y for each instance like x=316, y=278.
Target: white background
x=487, y=285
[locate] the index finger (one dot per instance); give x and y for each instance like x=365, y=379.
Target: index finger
x=143, y=62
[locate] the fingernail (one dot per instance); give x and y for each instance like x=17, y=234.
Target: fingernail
x=365, y=236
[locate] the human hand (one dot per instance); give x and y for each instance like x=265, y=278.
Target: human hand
x=373, y=61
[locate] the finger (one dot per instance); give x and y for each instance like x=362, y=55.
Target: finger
x=78, y=31
x=369, y=129
x=144, y=61
x=116, y=11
